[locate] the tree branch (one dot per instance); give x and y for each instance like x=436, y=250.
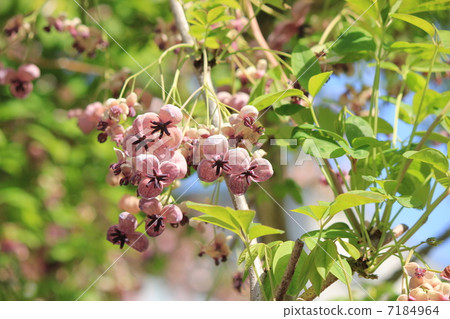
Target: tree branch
x=204, y=76
x=289, y=272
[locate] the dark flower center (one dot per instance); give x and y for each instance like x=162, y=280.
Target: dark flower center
x=156, y=179
x=161, y=127
x=102, y=125
x=249, y=173
x=249, y=121
x=155, y=221
x=220, y=163
x=420, y=272
x=20, y=85
x=119, y=237
x=142, y=141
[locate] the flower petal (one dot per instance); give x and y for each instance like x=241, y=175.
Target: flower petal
x=205, y=171
x=28, y=72
x=171, y=113
x=172, y=214
x=238, y=159
x=171, y=169
x=263, y=169
x=138, y=241
x=149, y=191
x=142, y=123
x=249, y=111
x=180, y=161
x=111, y=230
x=445, y=274
x=214, y=145
x=238, y=185
x=127, y=222
x=150, y=206
x=411, y=268
x=146, y=163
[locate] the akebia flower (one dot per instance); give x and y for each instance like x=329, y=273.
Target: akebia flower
x=154, y=175
x=258, y=170
x=19, y=81
x=219, y=159
x=445, y=274
x=155, y=133
x=124, y=233
x=217, y=249
x=155, y=225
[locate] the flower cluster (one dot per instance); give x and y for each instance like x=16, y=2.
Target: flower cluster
x=424, y=285
x=86, y=39
x=19, y=81
x=153, y=153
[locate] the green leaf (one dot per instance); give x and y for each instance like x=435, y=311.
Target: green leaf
x=387, y=66
x=200, y=15
x=356, y=39
x=256, y=250
x=369, y=141
x=418, y=22
x=316, y=82
x=340, y=272
x=353, y=199
x=316, y=212
x=387, y=185
x=215, y=13
x=305, y=64
x=217, y=222
x=326, y=253
x=383, y=126
x=258, y=230
x=281, y=259
x=316, y=280
x=430, y=156
x=237, y=221
x=211, y=42
x=298, y=282
x=352, y=250
x=356, y=126
x=444, y=36
x=266, y=100
x=288, y=109
x=313, y=143
x=415, y=82
x=433, y=136
x=414, y=6
x=258, y=89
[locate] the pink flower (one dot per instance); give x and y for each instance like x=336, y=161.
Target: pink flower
x=155, y=175
x=124, y=233
x=20, y=80
x=258, y=170
x=89, y=118
x=218, y=158
x=155, y=134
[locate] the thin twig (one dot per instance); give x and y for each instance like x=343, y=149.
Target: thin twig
x=289, y=272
